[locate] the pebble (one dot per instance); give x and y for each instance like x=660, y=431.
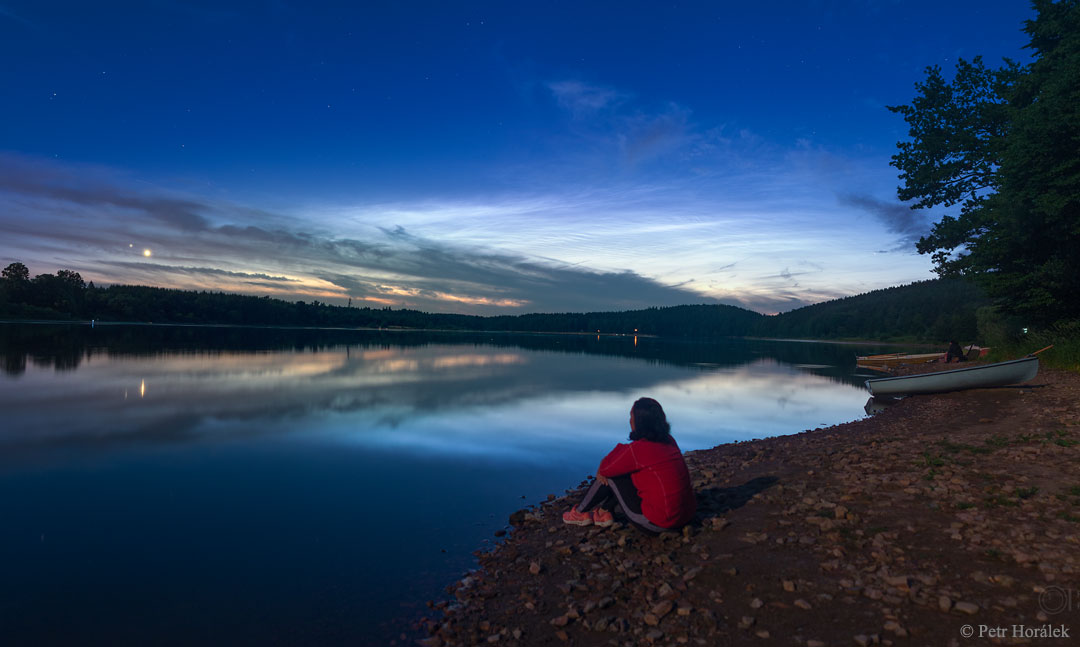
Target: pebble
x=944, y=603
x=969, y=608
x=663, y=608
x=756, y=603
x=692, y=573
x=895, y=627
x=803, y=604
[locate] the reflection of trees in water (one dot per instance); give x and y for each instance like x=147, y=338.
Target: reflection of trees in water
x=14, y=363
x=64, y=347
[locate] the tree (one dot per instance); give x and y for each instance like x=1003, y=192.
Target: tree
x=72, y=279
x=16, y=273
x=957, y=131
x=1002, y=144
x=14, y=284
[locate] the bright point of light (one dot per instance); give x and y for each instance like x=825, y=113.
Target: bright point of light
x=146, y=252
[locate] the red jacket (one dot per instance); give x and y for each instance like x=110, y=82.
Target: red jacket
x=659, y=473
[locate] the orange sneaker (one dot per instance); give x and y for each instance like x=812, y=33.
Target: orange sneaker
x=577, y=518
x=602, y=517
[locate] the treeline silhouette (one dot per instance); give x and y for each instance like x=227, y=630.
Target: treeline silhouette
x=933, y=310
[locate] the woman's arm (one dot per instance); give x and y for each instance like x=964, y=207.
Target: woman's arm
x=619, y=461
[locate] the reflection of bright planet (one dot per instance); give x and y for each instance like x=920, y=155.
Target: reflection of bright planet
x=146, y=252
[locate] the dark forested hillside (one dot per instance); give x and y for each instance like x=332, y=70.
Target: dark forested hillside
x=931, y=310
x=934, y=310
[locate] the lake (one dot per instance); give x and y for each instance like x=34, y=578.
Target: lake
x=181, y=485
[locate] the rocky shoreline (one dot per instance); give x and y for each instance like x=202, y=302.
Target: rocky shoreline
x=942, y=515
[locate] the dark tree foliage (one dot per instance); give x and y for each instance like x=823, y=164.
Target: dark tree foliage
x=936, y=310
x=1004, y=145
x=931, y=310
x=956, y=132
x=15, y=273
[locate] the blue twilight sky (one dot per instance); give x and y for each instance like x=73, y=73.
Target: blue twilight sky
x=474, y=157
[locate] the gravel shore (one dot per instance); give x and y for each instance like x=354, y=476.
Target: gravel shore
x=941, y=512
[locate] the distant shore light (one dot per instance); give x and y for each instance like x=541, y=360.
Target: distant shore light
x=146, y=252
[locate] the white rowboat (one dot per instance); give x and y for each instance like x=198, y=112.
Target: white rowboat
x=973, y=377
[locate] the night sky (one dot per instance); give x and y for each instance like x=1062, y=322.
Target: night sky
x=486, y=158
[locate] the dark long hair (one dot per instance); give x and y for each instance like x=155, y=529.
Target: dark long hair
x=650, y=423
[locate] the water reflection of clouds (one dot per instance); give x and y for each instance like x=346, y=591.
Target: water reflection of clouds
x=529, y=405
x=705, y=408
x=390, y=384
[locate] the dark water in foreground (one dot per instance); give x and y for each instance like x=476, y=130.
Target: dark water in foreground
x=171, y=485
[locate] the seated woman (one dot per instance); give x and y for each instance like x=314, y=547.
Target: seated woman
x=648, y=478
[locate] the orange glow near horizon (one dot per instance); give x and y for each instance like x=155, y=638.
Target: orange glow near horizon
x=385, y=302
x=481, y=301
x=456, y=361
x=291, y=287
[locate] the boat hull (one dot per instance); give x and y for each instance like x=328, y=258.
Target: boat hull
x=974, y=377
x=885, y=363
x=889, y=360
x=896, y=359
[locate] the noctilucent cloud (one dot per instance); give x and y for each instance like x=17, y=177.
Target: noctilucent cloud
x=484, y=158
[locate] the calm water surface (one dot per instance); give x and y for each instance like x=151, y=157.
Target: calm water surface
x=170, y=485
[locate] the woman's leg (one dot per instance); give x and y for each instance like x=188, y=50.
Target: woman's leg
x=627, y=495
x=598, y=495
